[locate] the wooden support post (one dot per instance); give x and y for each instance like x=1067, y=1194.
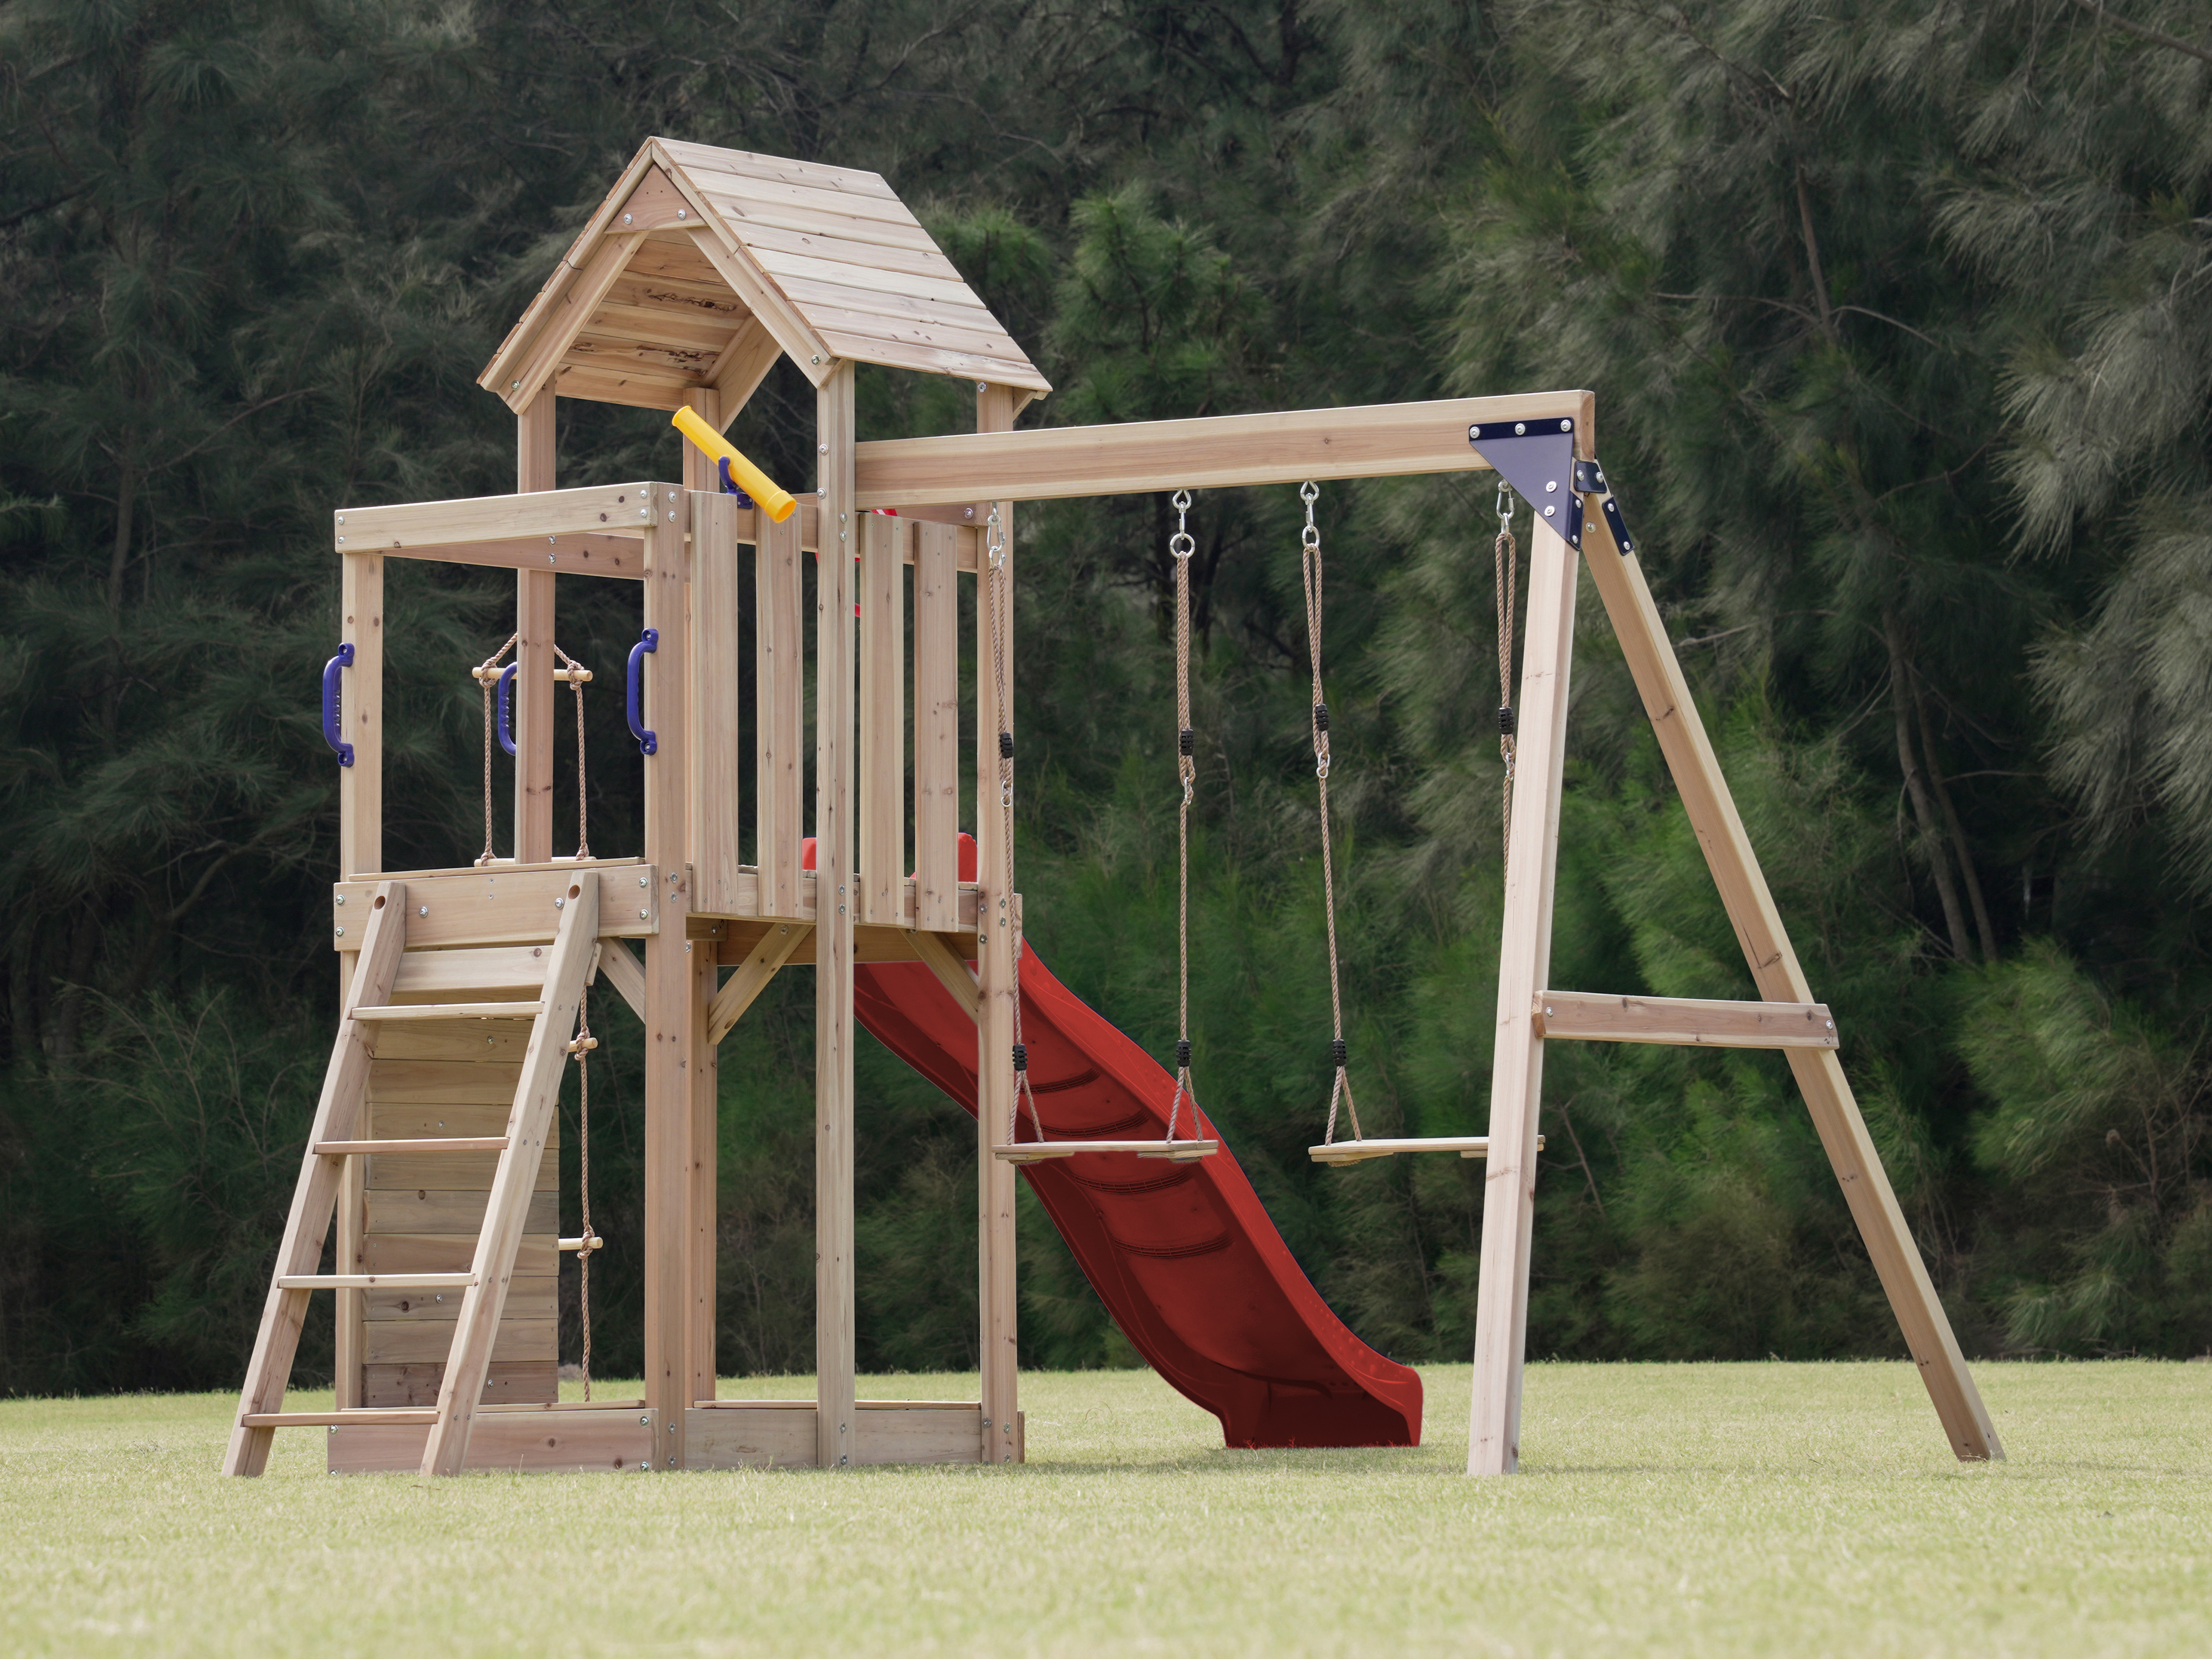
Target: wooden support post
x=834, y=759
x=1517, y=1072
x=673, y=1006
x=1774, y=968
x=361, y=853
x=533, y=651
x=703, y=1148
x=717, y=659
x=994, y=1031
x=699, y=471
x=882, y=718
x=937, y=727
x=779, y=713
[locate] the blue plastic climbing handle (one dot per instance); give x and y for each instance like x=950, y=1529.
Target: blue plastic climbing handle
x=648, y=641
x=505, y=726
x=331, y=671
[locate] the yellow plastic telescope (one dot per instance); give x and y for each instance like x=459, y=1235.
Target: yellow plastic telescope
x=747, y=476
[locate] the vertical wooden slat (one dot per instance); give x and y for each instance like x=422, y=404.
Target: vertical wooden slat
x=882, y=718
x=534, y=650
x=717, y=659
x=779, y=713
x=699, y=471
x=671, y=1009
x=345, y=1085
x=1516, y=1074
x=361, y=853
x=995, y=1029
x=529, y=1123
x=937, y=726
x=705, y=1074
x=834, y=758
x=1775, y=969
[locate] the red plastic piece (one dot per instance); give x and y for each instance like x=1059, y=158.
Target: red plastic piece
x=1183, y=1255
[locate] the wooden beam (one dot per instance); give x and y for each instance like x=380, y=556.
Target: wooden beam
x=503, y=905
x=718, y=656
x=779, y=718
x=1517, y=1072
x=361, y=851
x=793, y=332
x=1775, y=970
x=533, y=697
x=951, y=969
x=619, y=556
x=597, y=509
x=622, y=974
x=1382, y=440
x=671, y=1003
x=882, y=876
x=566, y=319
x=752, y=978
x=936, y=729
x=834, y=768
x=1590, y=1017
x=743, y=364
x=995, y=925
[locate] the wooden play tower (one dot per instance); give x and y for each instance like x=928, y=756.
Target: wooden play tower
x=460, y=987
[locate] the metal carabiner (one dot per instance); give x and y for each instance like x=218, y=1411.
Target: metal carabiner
x=1505, y=505
x=1181, y=544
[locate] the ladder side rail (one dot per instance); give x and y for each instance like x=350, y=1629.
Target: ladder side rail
x=460, y=1391
x=345, y=1087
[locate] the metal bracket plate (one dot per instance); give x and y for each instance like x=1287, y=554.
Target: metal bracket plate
x=1590, y=479
x=1537, y=457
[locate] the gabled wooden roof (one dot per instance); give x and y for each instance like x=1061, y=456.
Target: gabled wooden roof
x=703, y=265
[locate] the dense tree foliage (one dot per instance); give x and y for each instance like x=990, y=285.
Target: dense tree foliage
x=1901, y=319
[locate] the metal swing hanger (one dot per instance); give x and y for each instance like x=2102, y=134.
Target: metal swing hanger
x=1177, y=1150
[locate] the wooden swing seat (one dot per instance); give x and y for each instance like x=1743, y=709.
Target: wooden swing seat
x=1340, y=1153
x=1037, y=1151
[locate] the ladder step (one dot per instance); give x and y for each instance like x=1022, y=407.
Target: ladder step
x=374, y=1281
x=383, y=1148
x=452, y=1011
x=369, y=1415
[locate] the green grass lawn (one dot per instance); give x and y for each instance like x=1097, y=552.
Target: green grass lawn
x=1663, y=1508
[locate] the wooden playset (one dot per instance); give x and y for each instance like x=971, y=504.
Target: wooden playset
x=461, y=989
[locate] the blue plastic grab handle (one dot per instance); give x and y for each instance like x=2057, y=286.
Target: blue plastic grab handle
x=505, y=725
x=331, y=670
x=649, y=640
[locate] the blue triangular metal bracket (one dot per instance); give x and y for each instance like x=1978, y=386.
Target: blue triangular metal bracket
x=1537, y=457
x=1590, y=480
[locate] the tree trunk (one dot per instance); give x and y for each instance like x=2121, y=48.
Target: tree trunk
x=1916, y=786
x=1966, y=871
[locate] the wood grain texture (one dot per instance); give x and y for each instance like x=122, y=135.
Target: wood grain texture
x=622, y=509
x=779, y=718
x=1377, y=442
x=533, y=694
x=882, y=771
x=1775, y=970
x=1516, y=1075
x=501, y=905
x=314, y=1196
x=995, y=969
x=1689, y=1022
x=836, y=759
x=614, y=1441
x=717, y=663
x=936, y=728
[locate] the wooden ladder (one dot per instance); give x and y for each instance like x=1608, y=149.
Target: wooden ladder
x=468, y=985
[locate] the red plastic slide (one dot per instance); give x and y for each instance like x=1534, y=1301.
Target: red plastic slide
x=1182, y=1254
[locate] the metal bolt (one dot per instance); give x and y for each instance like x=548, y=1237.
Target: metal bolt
x=684, y=213
x=817, y=356
x=687, y=947
x=514, y=385
x=625, y=218
x=560, y=903
x=550, y=559
x=967, y=511
x=1548, y=1013
x=821, y=489
x=1566, y=426
x=341, y=933
x=642, y=915
x=1549, y=509
x=841, y=909
x=1551, y=485
x=1518, y=429
x=341, y=899
x=341, y=541
x=982, y=385
x=642, y=881
x=821, y=449
x=422, y=910
x=645, y=1420
x=341, y=518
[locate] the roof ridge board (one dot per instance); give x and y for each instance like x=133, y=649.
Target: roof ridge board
x=717, y=158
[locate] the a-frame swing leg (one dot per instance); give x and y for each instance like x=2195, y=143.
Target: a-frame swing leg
x=1516, y=1072
x=1774, y=968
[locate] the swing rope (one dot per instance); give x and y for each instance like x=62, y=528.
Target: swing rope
x=1000, y=591
x=1309, y=569
x=1181, y=546
x=1506, y=557
x=486, y=674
